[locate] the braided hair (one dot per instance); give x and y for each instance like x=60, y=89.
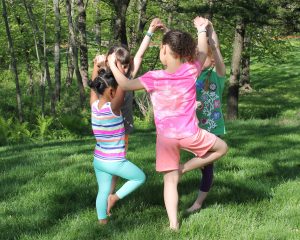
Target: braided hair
x=104, y=80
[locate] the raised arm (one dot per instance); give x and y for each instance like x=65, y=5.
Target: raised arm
x=99, y=61
x=200, y=24
x=154, y=25
x=122, y=80
x=215, y=47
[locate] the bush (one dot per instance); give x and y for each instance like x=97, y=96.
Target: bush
x=4, y=131
x=78, y=125
x=42, y=131
x=13, y=131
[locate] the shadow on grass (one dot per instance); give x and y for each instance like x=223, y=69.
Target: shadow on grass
x=71, y=194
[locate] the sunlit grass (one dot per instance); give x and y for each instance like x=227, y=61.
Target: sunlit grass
x=48, y=190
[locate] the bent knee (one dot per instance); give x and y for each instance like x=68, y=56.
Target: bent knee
x=142, y=178
x=224, y=148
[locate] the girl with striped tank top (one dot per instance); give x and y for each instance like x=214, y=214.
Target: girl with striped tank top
x=110, y=160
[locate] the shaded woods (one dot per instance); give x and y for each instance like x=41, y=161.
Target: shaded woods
x=51, y=44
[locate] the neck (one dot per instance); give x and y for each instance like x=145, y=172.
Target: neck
x=172, y=65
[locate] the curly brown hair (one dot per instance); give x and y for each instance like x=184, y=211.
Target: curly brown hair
x=182, y=44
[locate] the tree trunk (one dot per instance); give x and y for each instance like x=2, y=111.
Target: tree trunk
x=57, y=64
x=13, y=62
x=97, y=25
x=70, y=64
x=245, y=76
x=27, y=57
x=74, y=53
x=233, y=90
x=37, y=43
x=142, y=20
x=120, y=21
x=41, y=51
x=83, y=42
x=46, y=65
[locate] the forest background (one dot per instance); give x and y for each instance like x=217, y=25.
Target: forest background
x=48, y=186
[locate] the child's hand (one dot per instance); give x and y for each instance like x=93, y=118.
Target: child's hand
x=201, y=23
x=155, y=24
x=99, y=60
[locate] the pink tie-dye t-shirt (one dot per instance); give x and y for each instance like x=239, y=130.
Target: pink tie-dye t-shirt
x=173, y=97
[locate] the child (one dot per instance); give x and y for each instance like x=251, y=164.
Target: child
x=129, y=68
x=109, y=154
x=210, y=86
x=173, y=95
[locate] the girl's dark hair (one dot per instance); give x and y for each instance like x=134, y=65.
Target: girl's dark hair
x=123, y=56
x=104, y=80
x=181, y=43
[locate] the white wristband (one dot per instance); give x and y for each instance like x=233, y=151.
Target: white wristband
x=149, y=34
x=201, y=31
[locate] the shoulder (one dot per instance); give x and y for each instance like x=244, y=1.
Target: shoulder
x=94, y=105
x=155, y=74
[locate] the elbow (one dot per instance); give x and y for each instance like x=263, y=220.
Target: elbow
x=124, y=87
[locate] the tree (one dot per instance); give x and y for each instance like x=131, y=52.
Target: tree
x=82, y=42
x=233, y=89
x=41, y=51
x=120, y=7
x=27, y=55
x=245, y=65
x=57, y=64
x=142, y=20
x=74, y=52
x=13, y=61
x=97, y=24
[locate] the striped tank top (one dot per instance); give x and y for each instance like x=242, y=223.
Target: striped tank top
x=109, y=132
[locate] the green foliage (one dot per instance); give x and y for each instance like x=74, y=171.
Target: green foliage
x=4, y=130
x=43, y=130
x=12, y=131
x=77, y=124
x=20, y=132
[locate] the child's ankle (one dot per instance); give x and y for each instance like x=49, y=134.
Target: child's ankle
x=174, y=227
x=102, y=221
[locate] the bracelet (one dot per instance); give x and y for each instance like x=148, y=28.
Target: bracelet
x=149, y=34
x=201, y=31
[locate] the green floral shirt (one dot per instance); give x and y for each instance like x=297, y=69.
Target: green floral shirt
x=209, y=99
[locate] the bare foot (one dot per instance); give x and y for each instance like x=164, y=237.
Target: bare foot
x=102, y=221
x=111, y=201
x=196, y=207
x=174, y=228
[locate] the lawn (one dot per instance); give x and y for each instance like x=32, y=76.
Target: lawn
x=48, y=190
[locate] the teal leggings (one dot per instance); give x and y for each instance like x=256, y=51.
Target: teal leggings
x=104, y=173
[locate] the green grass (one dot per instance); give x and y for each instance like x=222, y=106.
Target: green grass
x=48, y=190
x=276, y=88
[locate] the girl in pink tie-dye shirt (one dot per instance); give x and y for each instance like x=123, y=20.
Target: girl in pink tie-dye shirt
x=173, y=95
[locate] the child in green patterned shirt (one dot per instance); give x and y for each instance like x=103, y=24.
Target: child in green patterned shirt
x=210, y=85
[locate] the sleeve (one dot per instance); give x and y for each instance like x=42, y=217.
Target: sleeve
x=147, y=80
